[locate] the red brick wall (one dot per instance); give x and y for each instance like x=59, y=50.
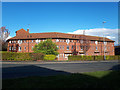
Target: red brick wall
x=28, y=44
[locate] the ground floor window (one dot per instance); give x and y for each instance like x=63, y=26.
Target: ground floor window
x=19, y=48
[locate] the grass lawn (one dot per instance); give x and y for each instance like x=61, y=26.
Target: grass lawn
x=99, y=79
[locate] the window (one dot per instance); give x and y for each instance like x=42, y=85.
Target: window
x=9, y=48
x=25, y=48
x=14, y=48
x=81, y=41
x=78, y=47
x=63, y=47
x=18, y=41
x=67, y=41
x=14, y=41
x=60, y=47
x=67, y=47
x=9, y=41
x=72, y=46
x=32, y=41
x=24, y=41
x=105, y=43
x=19, y=48
x=81, y=47
x=92, y=41
x=96, y=48
x=57, y=40
x=57, y=46
x=96, y=42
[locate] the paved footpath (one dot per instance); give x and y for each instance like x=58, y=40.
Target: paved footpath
x=36, y=68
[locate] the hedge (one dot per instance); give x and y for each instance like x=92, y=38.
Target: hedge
x=92, y=58
x=49, y=57
x=21, y=56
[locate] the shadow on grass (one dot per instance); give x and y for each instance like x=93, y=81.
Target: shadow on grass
x=40, y=77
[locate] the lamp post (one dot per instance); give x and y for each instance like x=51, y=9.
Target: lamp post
x=104, y=40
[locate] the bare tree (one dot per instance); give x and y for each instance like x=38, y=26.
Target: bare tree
x=84, y=43
x=4, y=33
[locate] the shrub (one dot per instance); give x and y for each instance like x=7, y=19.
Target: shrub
x=49, y=57
x=21, y=56
x=75, y=57
x=36, y=56
x=96, y=58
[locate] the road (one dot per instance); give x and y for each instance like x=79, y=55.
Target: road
x=17, y=70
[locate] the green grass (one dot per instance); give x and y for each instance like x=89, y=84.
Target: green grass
x=99, y=79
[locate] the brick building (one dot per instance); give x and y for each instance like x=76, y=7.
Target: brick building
x=68, y=44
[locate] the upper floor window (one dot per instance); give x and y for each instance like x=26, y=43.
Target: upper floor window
x=67, y=40
x=81, y=41
x=57, y=40
x=14, y=41
x=96, y=42
x=9, y=41
x=18, y=41
x=24, y=41
x=67, y=47
x=92, y=41
x=105, y=43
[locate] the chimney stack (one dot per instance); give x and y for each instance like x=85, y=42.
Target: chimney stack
x=28, y=30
